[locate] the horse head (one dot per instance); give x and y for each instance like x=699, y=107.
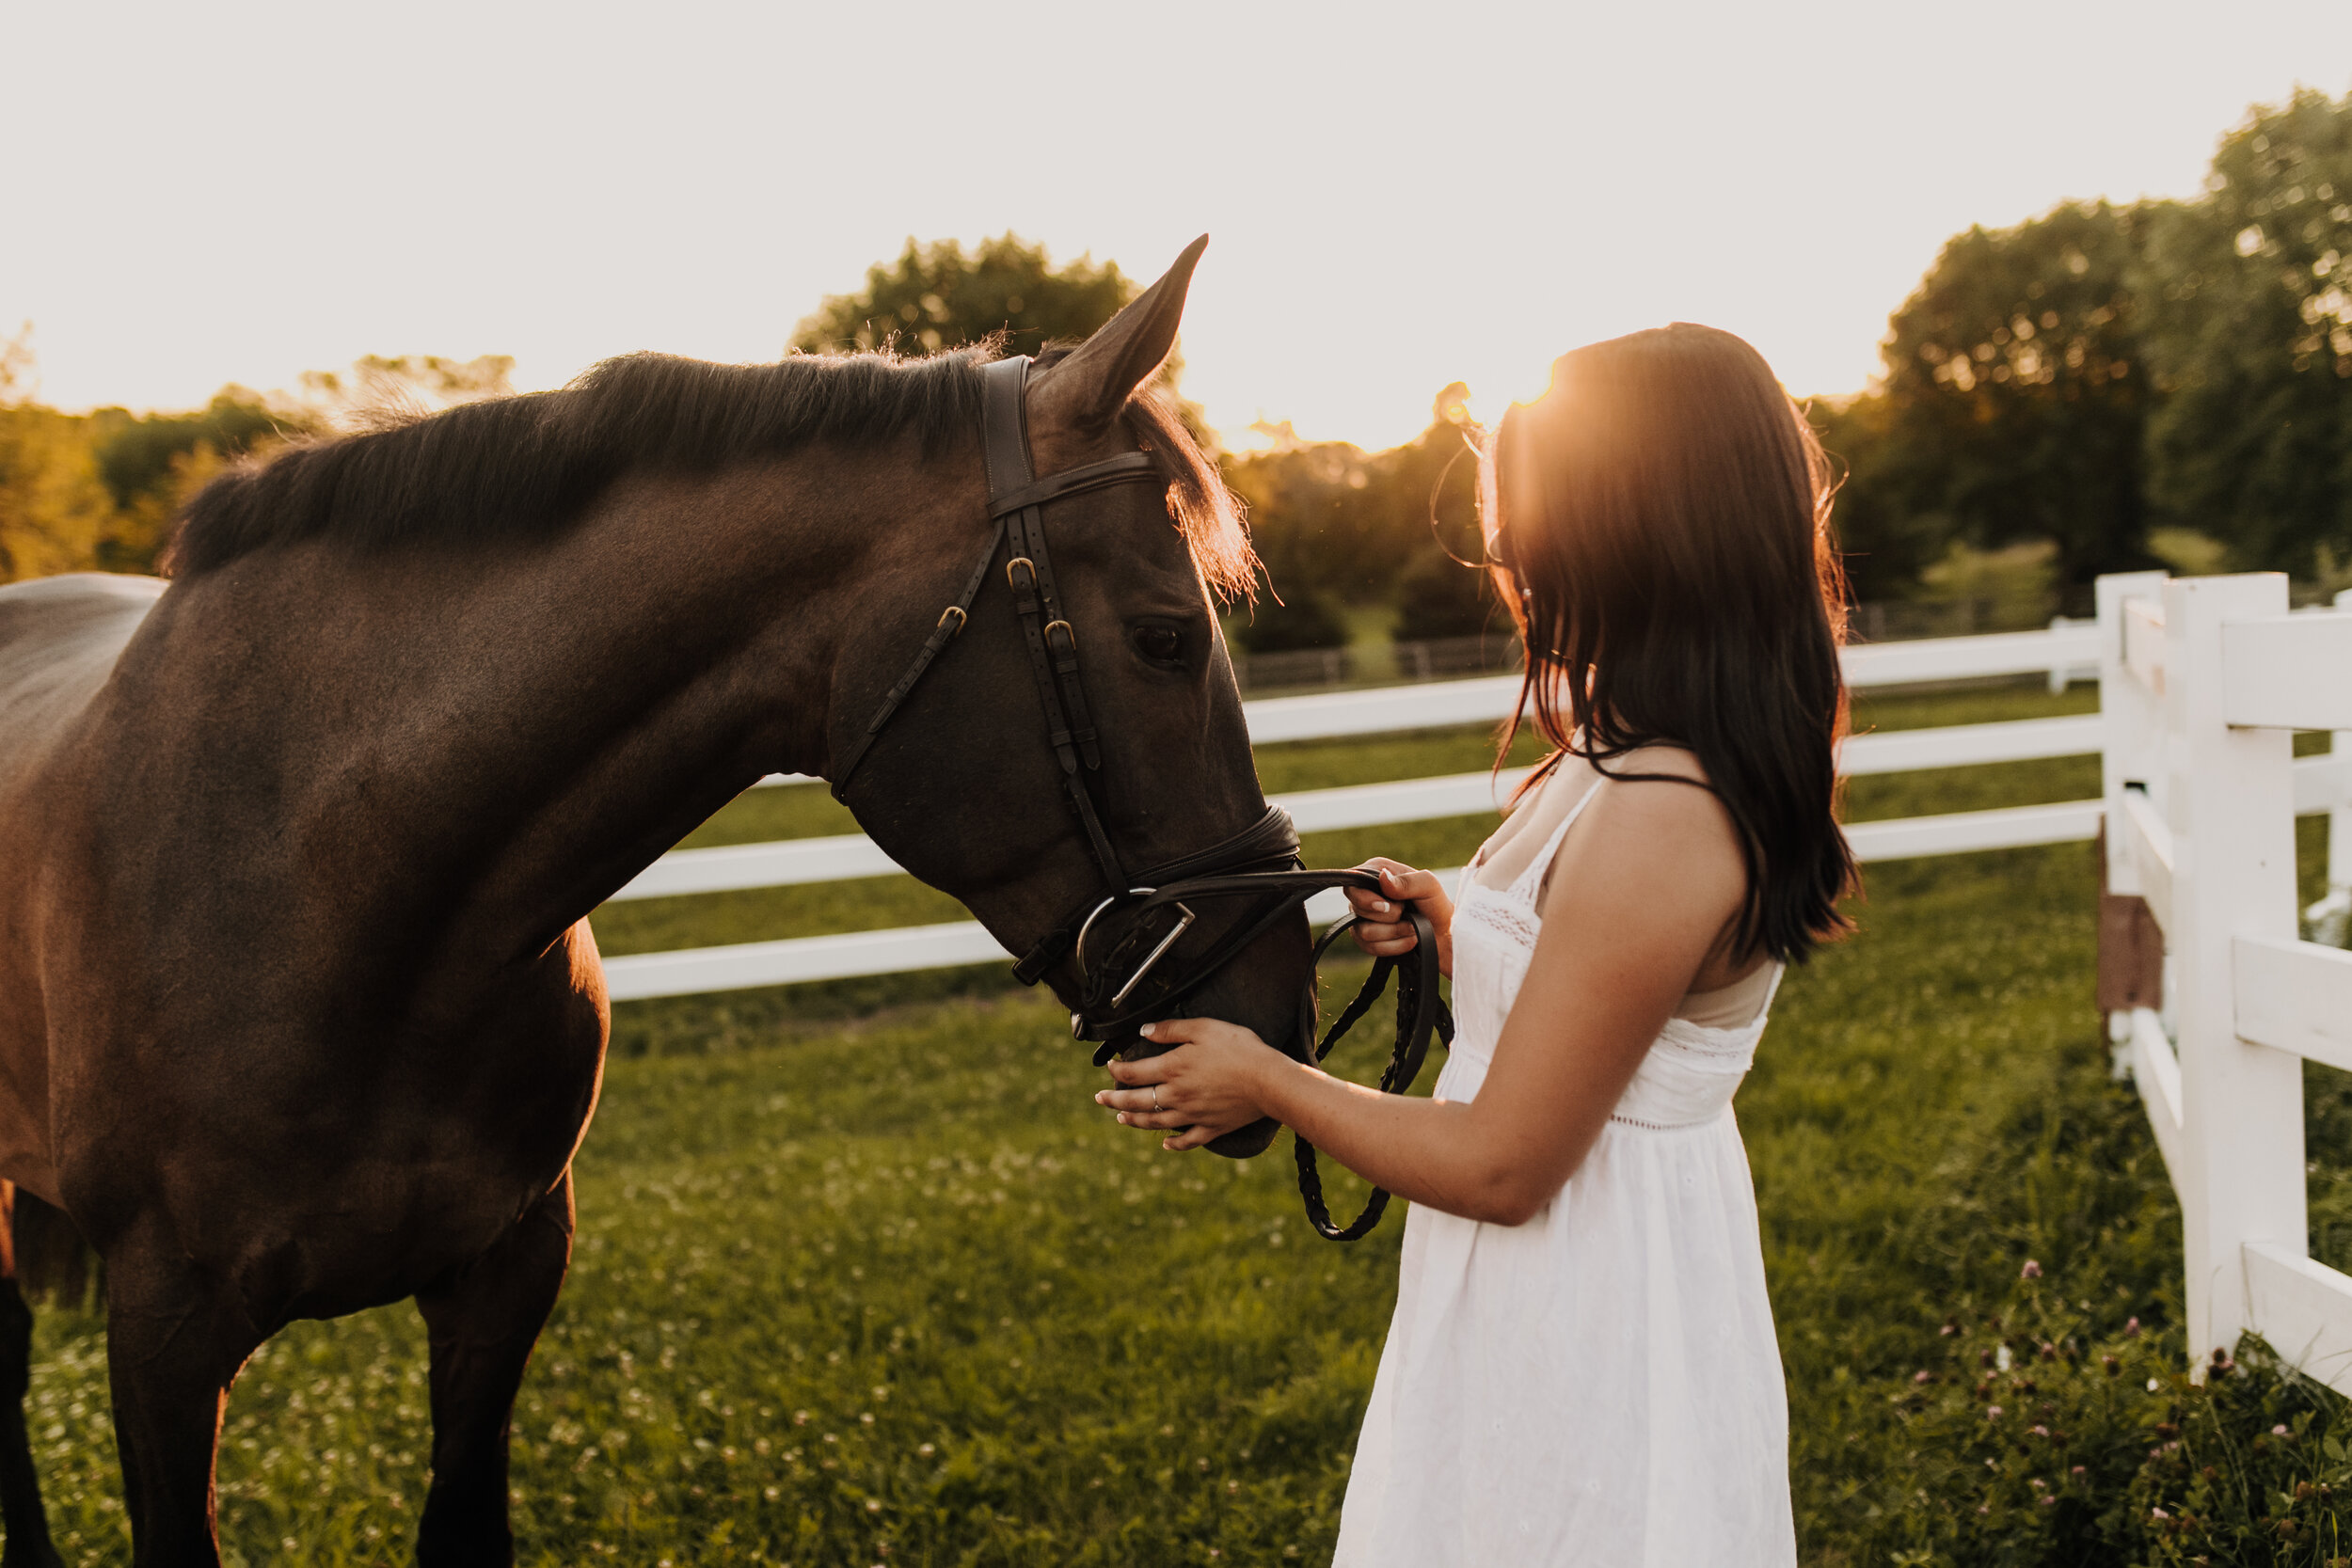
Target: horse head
x=1072, y=731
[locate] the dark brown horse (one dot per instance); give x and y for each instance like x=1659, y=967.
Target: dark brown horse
x=299, y=1010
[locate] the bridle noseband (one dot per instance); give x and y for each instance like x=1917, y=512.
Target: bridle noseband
x=1262, y=861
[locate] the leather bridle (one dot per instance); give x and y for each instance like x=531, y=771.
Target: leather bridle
x=1260, y=863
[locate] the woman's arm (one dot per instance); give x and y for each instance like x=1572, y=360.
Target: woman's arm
x=1640, y=895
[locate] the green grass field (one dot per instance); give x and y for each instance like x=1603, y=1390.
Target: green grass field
x=885, y=1287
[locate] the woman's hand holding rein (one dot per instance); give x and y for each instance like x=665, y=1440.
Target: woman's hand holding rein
x=1381, y=928
x=1218, y=1081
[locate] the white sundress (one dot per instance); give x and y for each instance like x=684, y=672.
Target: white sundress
x=1599, y=1386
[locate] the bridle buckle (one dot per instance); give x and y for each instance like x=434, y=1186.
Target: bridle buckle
x=1186, y=917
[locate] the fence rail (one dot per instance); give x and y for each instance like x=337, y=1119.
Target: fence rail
x=2065, y=651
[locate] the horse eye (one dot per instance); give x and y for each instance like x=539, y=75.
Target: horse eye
x=1161, y=644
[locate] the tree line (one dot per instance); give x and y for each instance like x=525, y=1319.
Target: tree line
x=2103, y=388
x=2124, y=387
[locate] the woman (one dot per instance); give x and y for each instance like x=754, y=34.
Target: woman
x=1582, y=1367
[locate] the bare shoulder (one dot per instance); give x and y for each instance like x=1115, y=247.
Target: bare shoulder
x=1667, y=834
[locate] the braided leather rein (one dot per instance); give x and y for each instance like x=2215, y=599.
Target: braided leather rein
x=1260, y=863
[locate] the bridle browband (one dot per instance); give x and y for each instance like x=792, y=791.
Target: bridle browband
x=1262, y=861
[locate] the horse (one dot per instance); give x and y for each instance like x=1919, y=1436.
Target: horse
x=301, y=1011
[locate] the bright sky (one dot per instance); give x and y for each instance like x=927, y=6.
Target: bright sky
x=1399, y=196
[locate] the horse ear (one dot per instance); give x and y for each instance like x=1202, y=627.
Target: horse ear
x=1089, y=388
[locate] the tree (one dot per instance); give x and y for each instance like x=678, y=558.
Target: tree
x=1438, y=597
x=1886, y=542
x=152, y=462
x=2014, y=403
x=2252, y=341
x=54, y=512
x=1330, y=518
x=935, y=296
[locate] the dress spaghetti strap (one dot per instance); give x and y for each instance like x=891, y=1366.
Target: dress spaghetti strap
x=1532, y=877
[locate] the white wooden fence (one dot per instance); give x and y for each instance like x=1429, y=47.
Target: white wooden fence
x=2202, y=682
x=2065, y=651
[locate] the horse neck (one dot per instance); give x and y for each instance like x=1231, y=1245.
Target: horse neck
x=503, y=737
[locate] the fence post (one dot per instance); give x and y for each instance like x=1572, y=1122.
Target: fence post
x=2230, y=807
x=2339, y=898
x=2131, y=755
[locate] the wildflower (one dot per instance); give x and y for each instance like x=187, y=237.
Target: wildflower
x=2131, y=1327
x=1923, y=1377
x=1991, y=1412
x=1948, y=1330
x=926, y=1450
x=2031, y=1271
x=2280, y=1430
x=2039, y=1432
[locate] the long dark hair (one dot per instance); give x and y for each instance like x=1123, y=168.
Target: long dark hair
x=1659, y=524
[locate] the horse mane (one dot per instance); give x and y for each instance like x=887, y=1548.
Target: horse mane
x=526, y=466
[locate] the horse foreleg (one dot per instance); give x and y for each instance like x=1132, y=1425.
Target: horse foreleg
x=483, y=1320
x=174, y=1344
x=27, y=1523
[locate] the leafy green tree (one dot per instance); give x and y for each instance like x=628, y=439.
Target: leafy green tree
x=2014, y=403
x=54, y=513
x=1886, y=540
x=1302, y=619
x=135, y=451
x=2252, y=341
x=1332, y=519
x=1438, y=597
x=937, y=296
x=151, y=462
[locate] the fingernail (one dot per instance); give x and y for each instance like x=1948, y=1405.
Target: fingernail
x=1148, y=1030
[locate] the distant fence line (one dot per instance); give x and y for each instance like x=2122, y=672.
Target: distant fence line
x=2069, y=651
x=1420, y=659
x=1452, y=657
